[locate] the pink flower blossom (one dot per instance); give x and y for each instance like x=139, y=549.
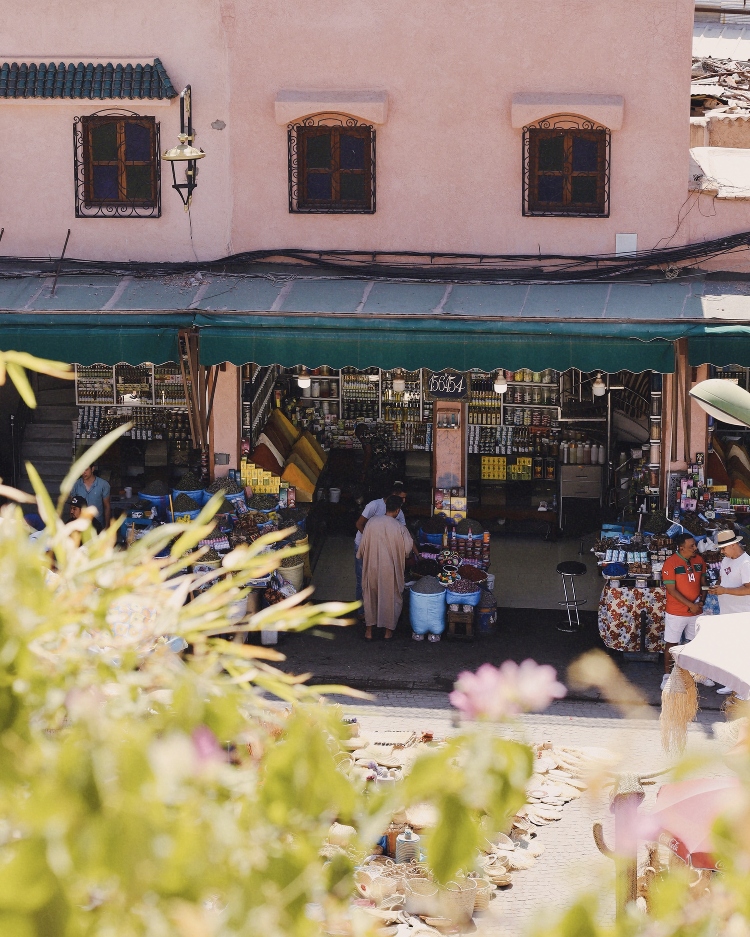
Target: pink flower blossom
x=495, y=693
x=206, y=746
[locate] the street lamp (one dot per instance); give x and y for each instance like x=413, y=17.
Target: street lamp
x=399, y=384
x=724, y=400
x=185, y=152
x=599, y=388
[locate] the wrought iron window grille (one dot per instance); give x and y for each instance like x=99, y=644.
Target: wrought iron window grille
x=118, y=175
x=338, y=189
x=566, y=168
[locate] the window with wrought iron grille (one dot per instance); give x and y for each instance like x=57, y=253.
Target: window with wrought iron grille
x=331, y=166
x=117, y=169
x=566, y=168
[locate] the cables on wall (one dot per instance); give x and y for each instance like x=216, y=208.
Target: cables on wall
x=653, y=265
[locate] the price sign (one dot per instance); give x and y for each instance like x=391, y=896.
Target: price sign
x=448, y=385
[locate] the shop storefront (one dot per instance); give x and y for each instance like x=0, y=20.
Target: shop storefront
x=496, y=402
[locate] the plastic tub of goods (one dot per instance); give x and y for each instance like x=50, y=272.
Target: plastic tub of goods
x=427, y=606
x=185, y=507
x=160, y=502
x=265, y=504
x=435, y=539
x=292, y=516
x=473, y=574
x=463, y=592
x=197, y=494
x=231, y=489
x=184, y=517
x=293, y=570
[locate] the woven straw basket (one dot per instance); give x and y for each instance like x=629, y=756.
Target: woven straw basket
x=457, y=900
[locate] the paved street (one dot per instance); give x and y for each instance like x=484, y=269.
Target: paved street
x=571, y=861
x=341, y=655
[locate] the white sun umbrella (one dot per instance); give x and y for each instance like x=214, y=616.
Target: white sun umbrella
x=720, y=650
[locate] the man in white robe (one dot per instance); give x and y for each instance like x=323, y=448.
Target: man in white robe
x=384, y=548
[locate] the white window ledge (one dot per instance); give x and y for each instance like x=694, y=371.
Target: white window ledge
x=605, y=109
x=370, y=106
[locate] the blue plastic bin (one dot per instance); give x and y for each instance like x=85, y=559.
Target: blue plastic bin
x=198, y=495
x=463, y=598
x=183, y=516
x=427, y=612
x=161, y=502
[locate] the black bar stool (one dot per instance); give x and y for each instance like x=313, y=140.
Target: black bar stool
x=568, y=571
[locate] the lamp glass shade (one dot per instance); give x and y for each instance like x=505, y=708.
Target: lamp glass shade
x=303, y=380
x=724, y=400
x=500, y=385
x=183, y=152
x=599, y=388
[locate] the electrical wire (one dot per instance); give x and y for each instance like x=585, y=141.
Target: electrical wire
x=649, y=266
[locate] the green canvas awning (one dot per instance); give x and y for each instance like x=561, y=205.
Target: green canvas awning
x=721, y=345
x=99, y=339
x=412, y=343
x=295, y=315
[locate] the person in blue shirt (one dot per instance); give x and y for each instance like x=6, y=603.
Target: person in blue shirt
x=96, y=493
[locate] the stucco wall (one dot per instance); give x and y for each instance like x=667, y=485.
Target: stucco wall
x=449, y=171
x=36, y=188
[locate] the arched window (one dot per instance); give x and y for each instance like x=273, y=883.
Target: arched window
x=566, y=162
x=331, y=165
x=116, y=162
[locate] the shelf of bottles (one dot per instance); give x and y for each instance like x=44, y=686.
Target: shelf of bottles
x=401, y=405
x=149, y=422
x=95, y=384
x=169, y=388
x=360, y=394
x=126, y=385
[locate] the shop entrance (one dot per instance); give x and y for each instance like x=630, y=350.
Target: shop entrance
x=538, y=460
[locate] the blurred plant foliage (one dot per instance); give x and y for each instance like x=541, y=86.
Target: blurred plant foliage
x=144, y=794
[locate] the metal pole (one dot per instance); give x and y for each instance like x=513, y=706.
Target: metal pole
x=13, y=449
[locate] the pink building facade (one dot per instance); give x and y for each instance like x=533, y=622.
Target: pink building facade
x=447, y=88
x=442, y=99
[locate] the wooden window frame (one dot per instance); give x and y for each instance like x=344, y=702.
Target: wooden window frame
x=299, y=135
x=87, y=205
x=532, y=205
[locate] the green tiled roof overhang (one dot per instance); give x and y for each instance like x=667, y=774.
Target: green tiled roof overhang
x=80, y=82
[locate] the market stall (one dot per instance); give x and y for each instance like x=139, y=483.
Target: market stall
x=633, y=600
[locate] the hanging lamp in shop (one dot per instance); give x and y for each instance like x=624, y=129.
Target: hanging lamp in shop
x=500, y=384
x=303, y=379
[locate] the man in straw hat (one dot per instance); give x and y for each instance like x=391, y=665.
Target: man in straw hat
x=734, y=591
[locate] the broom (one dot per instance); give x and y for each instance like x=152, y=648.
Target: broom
x=679, y=706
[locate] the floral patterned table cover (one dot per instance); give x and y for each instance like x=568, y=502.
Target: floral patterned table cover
x=620, y=617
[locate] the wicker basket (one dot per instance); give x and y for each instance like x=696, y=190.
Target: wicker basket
x=457, y=900
x=422, y=896
x=483, y=895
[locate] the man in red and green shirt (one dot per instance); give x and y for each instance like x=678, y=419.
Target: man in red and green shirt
x=683, y=577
